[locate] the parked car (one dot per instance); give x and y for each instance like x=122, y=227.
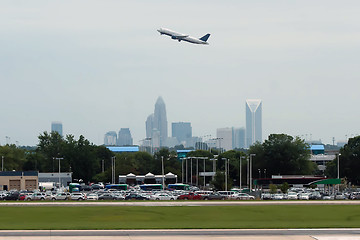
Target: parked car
x=61, y=196
x=92, y=196
x=190, y=196
x=162, y=196
x=107, y=196
x=77, y=196
x=227, y=194
x=214, y=196
x=134, y=196
x=304, y=196
x=292, y=196
x=12, y=196
x=242, y=196
x=340, y=196
x=35, y=196
x=266, y=196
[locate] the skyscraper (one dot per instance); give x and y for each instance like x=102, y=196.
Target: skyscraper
x=124, y=137
x=225, y=136
x=57, y=127
x=182, y=131
x=253, y=121
x=238, y=137
x=156, y=124
x=160, y=121
x=110, y=138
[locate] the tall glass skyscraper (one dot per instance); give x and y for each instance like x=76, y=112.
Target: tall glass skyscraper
x=253, y=121
x=110, y=138
x=124, y=137
x=157, y=125
x=182, y=131
x=57, y=127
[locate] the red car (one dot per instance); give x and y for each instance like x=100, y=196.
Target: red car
x=22, y=196
x=190, y=196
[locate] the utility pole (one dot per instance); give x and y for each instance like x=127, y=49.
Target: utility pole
x=250, y=165
x=59, y=171
x=2, y=163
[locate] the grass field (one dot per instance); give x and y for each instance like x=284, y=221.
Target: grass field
x=108, y=217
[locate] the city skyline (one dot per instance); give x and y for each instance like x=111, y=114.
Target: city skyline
x=99, y=73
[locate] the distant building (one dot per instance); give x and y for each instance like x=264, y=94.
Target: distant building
x=239, y=138
x=182, y=131
x=110, y=138
x=253, y=121
x=225, y=136
x=57, y=127
x=124, y=137
x=157, y=125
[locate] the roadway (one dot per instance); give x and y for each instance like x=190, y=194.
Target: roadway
x=189, y=234
x=177, y=203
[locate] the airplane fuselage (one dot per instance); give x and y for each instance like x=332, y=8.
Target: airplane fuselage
x=181, y=37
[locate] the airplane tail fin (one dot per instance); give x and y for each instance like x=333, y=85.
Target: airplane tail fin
x=205, y=38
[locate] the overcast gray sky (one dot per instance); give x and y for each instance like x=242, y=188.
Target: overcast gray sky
x=100, y=65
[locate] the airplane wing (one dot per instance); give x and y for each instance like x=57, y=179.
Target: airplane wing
x=179, y=36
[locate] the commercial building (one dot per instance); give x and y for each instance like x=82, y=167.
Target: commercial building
x=182, y=131
x=53, y=177
x=124, y=138
x=157, y=125
x=253, y=121
x=19, y=180
x=225, y=136
x=57, y=127
x=110, y=138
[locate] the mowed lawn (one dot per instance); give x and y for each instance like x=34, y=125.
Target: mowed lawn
x=130, y=217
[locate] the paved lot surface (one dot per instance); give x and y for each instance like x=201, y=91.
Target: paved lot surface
x=294, y=234
x=177, y=203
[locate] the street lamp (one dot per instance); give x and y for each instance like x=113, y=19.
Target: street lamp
x=59, y=171
x=226, y=169
x=113, y=169
x=162, y=170
x=338, y=165
x=250, y=166
x=2, y=163
x=240, y=170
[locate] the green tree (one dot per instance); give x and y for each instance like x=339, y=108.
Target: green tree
x=14, y=157
x=284, y=187
x=219, y=181
x=273, y=188
x=349, y=162
x=282, y=154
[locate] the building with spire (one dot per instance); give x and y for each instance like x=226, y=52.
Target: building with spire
x=253, y=121
x=157, y=125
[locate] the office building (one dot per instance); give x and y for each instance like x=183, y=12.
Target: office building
x=182, y=131
x=57, y=127
x=238, y=138
x=253, y=121
x=225, y=137
x=124, y=137
x=110, y=138
x=156, y=125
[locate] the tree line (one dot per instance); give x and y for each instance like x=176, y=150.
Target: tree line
x=279, y=154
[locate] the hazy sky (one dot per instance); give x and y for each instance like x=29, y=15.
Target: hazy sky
x=100, y=65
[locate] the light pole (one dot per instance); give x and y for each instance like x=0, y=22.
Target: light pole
x=162, y=171
x=240, y=172
x=338, y=165
x=250, y=166
x=265, y=172
x=59, y=171
x=113, y=169
x=226, y=166
x=2, y=163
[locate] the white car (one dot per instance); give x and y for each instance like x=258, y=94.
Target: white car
x=78, y=196
x=278, y=196
x=304, y=196
x=242, y=196
x=292, y=196
x=162, y=196
x=92, y=196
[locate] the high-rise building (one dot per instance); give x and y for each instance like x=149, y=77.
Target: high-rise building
x=156, y=124
x=253, y=121
x=160, y=121
x=149, y=126
x=182, y=131
x=57, y=127
x=124, y=137
x=225, y=137
x=238, y=138
x=110, y=138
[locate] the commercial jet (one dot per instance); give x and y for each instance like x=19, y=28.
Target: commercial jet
x=182, y=37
